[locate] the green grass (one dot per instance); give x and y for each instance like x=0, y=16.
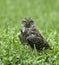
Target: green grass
x=46, y=16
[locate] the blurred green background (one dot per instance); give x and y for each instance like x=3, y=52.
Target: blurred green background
x=44, y=12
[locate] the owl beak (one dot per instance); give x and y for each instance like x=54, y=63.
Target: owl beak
x=28, y=24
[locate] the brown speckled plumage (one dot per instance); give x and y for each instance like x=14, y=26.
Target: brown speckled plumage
x=31, y=36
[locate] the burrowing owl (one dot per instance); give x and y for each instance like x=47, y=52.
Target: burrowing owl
x=31, y=36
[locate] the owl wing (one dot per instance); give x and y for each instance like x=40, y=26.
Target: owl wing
x=39, y=42
x=33, y=40
x=22, y=38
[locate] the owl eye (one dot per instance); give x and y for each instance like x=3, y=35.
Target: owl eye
x=23, y=22
x=31, y=22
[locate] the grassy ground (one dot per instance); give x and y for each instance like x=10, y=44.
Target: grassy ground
x=46, y=16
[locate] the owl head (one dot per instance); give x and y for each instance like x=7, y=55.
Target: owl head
x=27, y=22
